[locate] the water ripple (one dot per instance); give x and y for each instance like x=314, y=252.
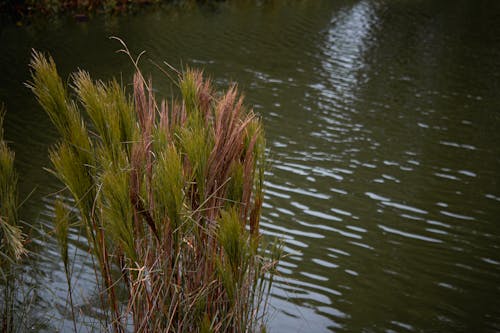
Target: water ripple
x=409, y=235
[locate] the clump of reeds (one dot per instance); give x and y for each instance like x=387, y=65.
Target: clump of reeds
x=11, y=236
x=170, y=195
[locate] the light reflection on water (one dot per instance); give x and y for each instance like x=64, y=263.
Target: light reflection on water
x=382, y=122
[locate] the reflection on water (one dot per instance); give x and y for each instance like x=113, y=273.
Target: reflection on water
x=382, y=121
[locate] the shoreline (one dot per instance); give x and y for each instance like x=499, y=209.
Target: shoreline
x=24, y=12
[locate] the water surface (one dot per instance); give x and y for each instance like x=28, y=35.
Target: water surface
x=382, y=119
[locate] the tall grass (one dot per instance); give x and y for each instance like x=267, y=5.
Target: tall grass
x=170, y=194
x=11, y=236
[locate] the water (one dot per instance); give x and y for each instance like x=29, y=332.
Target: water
x=382, y=118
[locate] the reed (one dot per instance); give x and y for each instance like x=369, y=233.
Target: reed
x=11, y=236
x=170, y=195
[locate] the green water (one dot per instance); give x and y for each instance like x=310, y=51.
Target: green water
x=383, y=122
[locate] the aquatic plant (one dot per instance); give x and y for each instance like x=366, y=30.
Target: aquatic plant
x=11, y=236
x=170, y=195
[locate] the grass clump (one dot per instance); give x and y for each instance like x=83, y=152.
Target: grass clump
x=170, y=195
x=11, y=236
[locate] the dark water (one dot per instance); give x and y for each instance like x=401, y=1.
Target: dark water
x=383, y=119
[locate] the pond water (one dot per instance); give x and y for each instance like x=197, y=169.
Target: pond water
x=383, y=122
